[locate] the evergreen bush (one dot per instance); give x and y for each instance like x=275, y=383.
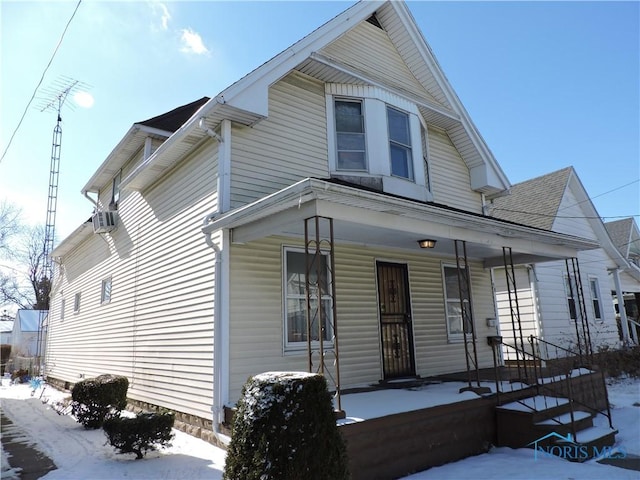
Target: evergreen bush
x=95, y=399
x=285, y=429
x=140, y=434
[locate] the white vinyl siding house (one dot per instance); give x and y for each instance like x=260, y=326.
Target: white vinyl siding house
x=215, y=193
x=558, y=202
x=160, y=302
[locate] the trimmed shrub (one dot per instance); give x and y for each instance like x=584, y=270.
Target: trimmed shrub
x=96, y=399
x=140, y=434
x=285, y=429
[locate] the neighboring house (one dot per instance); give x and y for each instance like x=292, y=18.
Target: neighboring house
x=301, y=190
x=27, y=333
x=626, y=237
x=557, y=299
x=6, y=328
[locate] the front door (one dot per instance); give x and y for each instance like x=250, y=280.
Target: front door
x=396, y=333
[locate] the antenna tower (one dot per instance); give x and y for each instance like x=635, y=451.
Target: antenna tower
x=56, y=98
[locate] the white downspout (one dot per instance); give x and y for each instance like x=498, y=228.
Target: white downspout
x=220, y=309
x=95, y=202
x=220, y=345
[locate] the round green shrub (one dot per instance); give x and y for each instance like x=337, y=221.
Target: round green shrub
x=95, y=399
x=285, y=429
x=138, y=435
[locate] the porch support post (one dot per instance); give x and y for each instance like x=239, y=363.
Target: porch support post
x=320, y=288
x=514, y=309
x=624, y=323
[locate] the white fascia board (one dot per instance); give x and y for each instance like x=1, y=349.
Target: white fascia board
x=454, y=224
x=418, y=38
x=595, y=221
x=128, y=137
x=75, y=238
x=421, y=102
x=251, y=92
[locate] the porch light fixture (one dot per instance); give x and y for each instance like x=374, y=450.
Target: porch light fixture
x=427, y=243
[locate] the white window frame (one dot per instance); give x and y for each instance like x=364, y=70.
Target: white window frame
x=375, y=101
x=359, y=101
x=395, y=142
x=594, y=289
x=115, y=190
x=76, y=302
x=301, y=346
x=569, y=298
x=106, y=290
x=453, y=336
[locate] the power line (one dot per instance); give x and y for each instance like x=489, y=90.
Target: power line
x=41, y=79
x=600, y=195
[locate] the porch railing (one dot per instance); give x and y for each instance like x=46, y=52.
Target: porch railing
x=549, y=369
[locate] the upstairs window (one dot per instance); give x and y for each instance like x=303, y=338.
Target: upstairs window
x=115, y=191
x=400, y=143
x=350, y=139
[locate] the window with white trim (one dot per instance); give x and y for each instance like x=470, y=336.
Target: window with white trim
x=453, y=295
x=76, y=303
x=570, y=289
x=295, y=310
x=115, y=191
x=595, y=298
x=400, y=153
x=105, y=291
x=378, y=136
x=350, y=136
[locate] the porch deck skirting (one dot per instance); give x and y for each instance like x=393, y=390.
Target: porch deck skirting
x=396, y=445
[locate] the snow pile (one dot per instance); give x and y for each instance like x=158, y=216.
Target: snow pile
x=80, y=453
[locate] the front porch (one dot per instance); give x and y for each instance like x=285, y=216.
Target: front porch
x=399, y=428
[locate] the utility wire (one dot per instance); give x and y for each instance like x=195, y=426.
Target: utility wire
x=600, y=195
x=40, y=82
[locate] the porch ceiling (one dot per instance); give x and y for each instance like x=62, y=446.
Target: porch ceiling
x=374, y=219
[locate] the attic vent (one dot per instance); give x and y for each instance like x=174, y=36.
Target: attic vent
x=104, y=222
x=373, y=20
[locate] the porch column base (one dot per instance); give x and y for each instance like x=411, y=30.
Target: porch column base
x=339, y=414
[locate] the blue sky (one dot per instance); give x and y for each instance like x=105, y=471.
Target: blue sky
x=548, y=84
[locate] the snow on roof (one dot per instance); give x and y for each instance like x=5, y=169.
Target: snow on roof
x=6, y=326
x=30, y=319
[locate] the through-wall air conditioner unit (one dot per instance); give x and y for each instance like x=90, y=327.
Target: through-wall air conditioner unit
x=104, y=222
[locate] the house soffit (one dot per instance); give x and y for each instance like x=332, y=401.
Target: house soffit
x=374, y=219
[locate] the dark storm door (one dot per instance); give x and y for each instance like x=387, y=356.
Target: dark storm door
x=396, y=333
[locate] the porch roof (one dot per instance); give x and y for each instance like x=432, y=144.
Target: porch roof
x=372, y=218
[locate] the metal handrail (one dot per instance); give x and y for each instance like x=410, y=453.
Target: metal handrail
x=533, y=339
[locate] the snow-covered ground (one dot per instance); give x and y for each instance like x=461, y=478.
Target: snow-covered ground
x=85, y=454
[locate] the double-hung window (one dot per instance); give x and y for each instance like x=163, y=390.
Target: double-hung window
x=400, y=153
x=295, y=309
x=105, y=291
x=595, y=298
x=458, y=302
x=76, y=303
x=570, y=288
x=350, y=139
